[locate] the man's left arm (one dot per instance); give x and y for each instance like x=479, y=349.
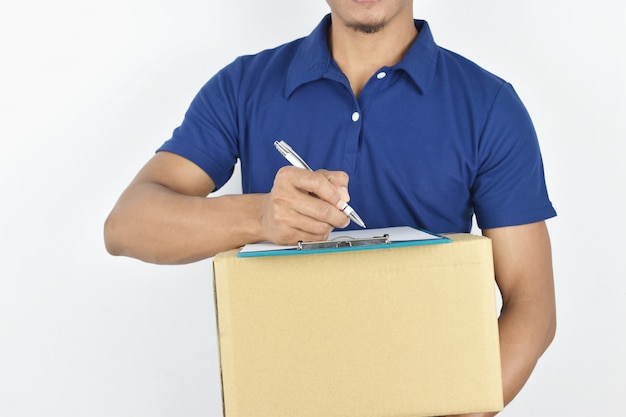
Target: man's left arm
x=527, y=323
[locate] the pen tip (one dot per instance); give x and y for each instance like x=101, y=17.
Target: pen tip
x=355, y=217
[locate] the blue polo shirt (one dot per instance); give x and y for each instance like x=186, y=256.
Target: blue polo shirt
x=428, y=142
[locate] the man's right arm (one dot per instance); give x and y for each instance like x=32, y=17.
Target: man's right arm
x=164, y=216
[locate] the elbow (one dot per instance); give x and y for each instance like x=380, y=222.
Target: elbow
x=112, y=238
x=551, y=331
x=120, y=239
x=549, y=321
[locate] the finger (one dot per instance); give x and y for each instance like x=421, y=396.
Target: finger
x=300, y=210
x=291, y=213
x=309, y=194
x=306, y=229
x=339, y=179
x=318, y=183
x=285, y=223
x=322, y=211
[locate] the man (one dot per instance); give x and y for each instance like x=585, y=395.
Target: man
x=425, y=137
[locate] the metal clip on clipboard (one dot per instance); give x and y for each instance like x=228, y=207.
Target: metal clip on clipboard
x=344, y=242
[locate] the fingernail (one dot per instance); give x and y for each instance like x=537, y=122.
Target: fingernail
x=341, y=205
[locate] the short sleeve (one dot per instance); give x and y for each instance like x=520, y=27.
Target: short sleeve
x=208, y=135
x=509, y=188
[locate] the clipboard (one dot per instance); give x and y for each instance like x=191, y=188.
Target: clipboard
x=339, y=241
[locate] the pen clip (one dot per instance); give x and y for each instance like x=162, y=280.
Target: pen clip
x=289, y=153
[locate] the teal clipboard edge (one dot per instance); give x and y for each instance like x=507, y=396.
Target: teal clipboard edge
x=294, y=251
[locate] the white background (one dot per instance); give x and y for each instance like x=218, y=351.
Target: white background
x=88, y=90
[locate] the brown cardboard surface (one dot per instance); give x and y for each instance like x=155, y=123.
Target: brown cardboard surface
x=389, y=332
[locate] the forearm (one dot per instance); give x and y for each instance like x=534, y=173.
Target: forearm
x=164, y=216
x=154, y=224
x=527, y=323
x=525, y=333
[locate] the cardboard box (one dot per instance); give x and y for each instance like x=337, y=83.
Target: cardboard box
x=379, y=333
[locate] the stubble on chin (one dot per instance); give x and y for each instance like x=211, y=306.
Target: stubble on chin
x=367, y=29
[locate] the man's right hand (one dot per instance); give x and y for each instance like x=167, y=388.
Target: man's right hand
x=303, y=205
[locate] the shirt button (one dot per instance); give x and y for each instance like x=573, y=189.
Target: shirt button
x=381, y=75
x=356, y=116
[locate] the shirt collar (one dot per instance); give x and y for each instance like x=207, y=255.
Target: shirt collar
x=313, y=61
x=420, y=60
x=312, y=58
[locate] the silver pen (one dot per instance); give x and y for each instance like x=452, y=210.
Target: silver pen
x=295, y=160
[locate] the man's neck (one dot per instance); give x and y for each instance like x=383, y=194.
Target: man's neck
x=360, y=55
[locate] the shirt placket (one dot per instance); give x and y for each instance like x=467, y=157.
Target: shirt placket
x=354, y=134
